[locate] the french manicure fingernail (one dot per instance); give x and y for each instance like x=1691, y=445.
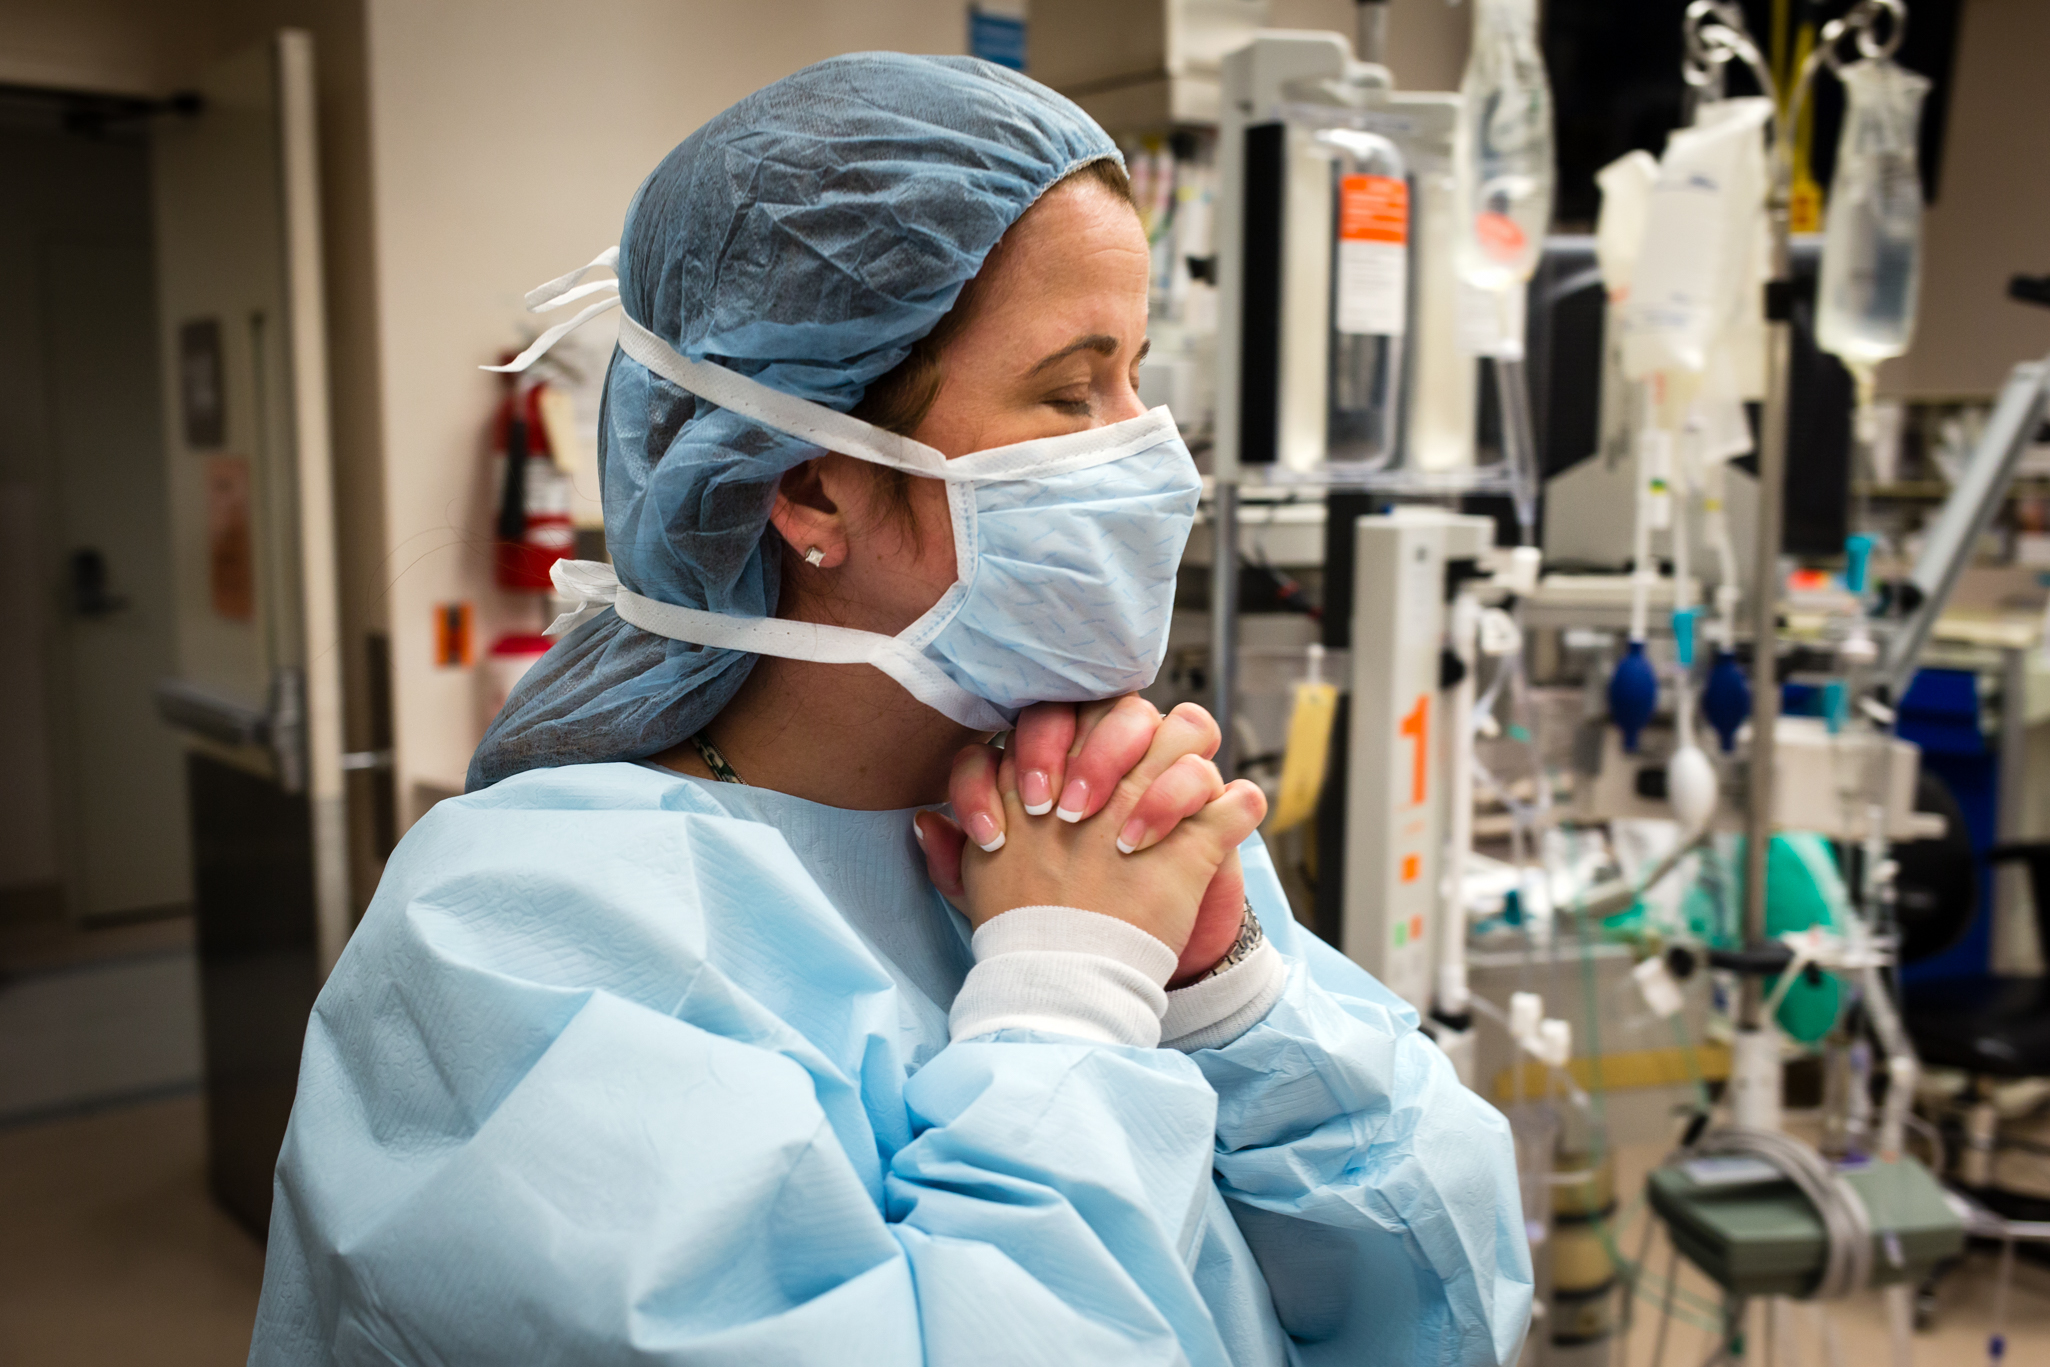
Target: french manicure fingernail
x=1035, y=790
x=917, y=830
x=982, y=829
x=1132, y=836
x=1074, y=800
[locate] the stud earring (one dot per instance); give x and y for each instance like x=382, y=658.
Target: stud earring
x=814, y=557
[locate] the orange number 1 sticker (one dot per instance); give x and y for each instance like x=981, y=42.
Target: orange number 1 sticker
x=1417, y=727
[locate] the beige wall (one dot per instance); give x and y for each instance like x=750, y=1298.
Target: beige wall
x=1993, y=219
x=507, y=138
x=1427, y=39
x=131, y=47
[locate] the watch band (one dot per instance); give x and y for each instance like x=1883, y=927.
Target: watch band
x=1250, y=938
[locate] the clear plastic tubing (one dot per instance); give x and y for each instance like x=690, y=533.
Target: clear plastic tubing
x=1519, y=438
x=1369, y=296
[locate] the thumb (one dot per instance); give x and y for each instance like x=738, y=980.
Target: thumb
x=942, y=841
x=1217, y=923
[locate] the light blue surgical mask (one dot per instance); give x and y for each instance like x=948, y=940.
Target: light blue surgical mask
x=1065, y=551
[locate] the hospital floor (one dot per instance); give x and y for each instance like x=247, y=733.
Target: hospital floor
x=111, y=1251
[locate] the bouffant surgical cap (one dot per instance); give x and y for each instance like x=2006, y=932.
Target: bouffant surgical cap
x=807, y=237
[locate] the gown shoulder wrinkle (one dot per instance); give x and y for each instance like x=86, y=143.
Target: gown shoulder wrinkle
x=706, y=918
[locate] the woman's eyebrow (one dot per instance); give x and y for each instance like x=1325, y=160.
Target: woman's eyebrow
x=1103, y=344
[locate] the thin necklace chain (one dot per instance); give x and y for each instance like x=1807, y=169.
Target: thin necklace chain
x=715, y=761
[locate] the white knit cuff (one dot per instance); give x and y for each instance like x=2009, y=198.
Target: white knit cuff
x=1212, y=1012
x=1066, y=971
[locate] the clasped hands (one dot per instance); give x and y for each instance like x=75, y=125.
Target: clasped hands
x=1109, y=807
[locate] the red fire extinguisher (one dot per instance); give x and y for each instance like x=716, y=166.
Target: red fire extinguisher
x=534, y=529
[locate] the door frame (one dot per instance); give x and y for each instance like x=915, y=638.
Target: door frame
x=319, y=578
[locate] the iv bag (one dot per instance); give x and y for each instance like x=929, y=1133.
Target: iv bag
x=1618, y=235
x=1505, y=162
x=1872, y=233
x=1626, y=185
x=1695, y=275
x=1369, y=296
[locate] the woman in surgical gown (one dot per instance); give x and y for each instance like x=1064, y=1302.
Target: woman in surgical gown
x=669, y=1043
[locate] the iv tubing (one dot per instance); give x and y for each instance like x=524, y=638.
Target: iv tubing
x=1865, y=472
x=1683, y=594
x=1716, y=529
x=1519, y=440
x=1642, y=572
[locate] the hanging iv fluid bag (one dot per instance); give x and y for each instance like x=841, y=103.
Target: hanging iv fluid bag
x=1369, y=296
x=1872, y=231
x=1505, y=162
x=1695, y=275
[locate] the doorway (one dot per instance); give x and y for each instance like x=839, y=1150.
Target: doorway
x=98, y=980
x=95, y=824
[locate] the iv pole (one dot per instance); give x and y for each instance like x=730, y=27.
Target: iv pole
x=1715, y=34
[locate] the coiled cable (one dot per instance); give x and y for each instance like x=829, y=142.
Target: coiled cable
x=1847, y=1255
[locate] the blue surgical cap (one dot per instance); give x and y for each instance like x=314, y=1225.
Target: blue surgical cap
x=807, y=237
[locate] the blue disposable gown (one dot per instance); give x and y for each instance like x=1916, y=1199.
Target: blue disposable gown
x=622, y=1066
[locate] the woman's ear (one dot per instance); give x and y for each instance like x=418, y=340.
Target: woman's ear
x=808, y=517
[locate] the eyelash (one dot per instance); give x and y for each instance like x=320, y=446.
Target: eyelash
x=1081, y=408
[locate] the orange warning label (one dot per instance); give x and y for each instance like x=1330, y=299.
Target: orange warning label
x=455, y=637
x=1373, y=209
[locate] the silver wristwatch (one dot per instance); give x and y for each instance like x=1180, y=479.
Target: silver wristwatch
x=1250, y=938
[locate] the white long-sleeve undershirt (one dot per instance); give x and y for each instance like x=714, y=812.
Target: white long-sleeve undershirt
x=1074, y=972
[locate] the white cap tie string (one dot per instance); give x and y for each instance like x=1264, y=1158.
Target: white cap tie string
x=566, y=289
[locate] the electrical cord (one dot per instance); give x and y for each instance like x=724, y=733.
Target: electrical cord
x=1633, y=1272
x=1658, y=1344
x=1847, y=1260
